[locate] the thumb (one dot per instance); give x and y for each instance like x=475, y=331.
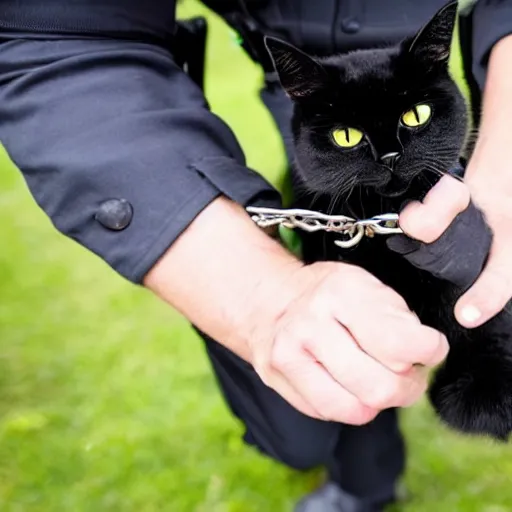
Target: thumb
x=488, y=296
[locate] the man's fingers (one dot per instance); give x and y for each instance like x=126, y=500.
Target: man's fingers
x=330, y=399
x=394, y=337
x=428, y=220
x=364, y=377
x=300, y=375
x=488, y=296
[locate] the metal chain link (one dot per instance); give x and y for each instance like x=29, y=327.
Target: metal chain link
x=355, y=230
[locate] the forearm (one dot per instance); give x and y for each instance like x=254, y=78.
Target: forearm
x=488, y=165
x=224, y=274
x=489, y=179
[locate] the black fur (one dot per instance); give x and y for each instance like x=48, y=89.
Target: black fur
x=370, y=90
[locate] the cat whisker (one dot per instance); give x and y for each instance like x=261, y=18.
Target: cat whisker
x=431, y=166
x=435, y=171
x=351, y=191
x=345, y=191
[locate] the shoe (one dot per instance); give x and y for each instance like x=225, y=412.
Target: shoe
x=332, y=498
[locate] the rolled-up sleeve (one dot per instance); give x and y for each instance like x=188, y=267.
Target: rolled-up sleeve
x=117, y=145
x=492, y=21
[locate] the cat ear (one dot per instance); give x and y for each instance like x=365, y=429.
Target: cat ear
x=433, y=41
x=299, y=74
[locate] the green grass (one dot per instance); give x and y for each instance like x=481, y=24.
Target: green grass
x=107, y=402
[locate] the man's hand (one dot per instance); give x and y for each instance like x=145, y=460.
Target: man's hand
x=428, y=220
x=493, y=289
x=489, y=177
x=456, y=253
x=330, y=338
x=346, y=347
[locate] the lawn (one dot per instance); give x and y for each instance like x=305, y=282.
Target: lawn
x=107, y=402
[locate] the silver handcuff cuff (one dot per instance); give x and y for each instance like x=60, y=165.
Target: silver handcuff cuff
x=354, y=230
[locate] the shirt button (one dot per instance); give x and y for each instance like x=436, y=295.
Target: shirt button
x=115, y=214
x=350, y=25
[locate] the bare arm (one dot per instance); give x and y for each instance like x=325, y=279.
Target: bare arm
x=303, y=328
x=489, y=177
x=221, y=271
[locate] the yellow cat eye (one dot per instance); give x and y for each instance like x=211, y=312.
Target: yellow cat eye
x=418, y=115
x=347, y=137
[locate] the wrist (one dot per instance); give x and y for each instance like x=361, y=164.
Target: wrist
x=225, y=275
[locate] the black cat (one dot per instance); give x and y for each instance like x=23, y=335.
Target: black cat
x=374, y=128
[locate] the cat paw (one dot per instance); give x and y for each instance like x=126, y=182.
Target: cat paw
x=472, y=392
x=457, y=256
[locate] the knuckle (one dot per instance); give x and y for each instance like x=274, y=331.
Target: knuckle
x=462, y=196
x=432, y=229
x=361, y=415
x=351, y=276
x=382, y=295
x=426, y=222
x=396, y=353
x=386, y=395
x=280, y=338
x=328, y=408
x=410, y=212
x=444, y=348
x=282, y=349
x=399, y=367
x=401, y=309
x=426, y=228
x=292, y=332
x=318, y=304
x=436, y=349
x=409, y=217
x=279, y=357
x=352, y=413
x=342, y=282
x=427, y=343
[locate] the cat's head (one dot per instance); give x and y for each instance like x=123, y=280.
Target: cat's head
x=379, y=118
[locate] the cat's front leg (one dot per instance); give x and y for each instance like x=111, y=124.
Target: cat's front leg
x=457, y=256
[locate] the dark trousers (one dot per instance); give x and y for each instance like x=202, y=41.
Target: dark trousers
x=366, y=461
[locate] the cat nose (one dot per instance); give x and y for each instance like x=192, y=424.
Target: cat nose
x=390, y=159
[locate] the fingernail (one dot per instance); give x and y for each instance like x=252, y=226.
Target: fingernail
x=471, y=314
